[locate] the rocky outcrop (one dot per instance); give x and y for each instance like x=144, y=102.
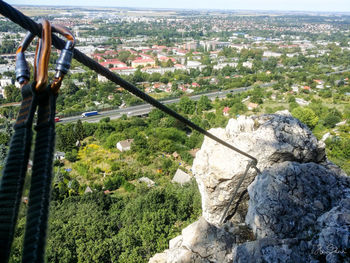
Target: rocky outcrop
x=296, y=210
x=270, y=138
x=199, y=242
x=286, y=199
x=299, y=212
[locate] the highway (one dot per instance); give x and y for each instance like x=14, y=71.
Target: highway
x=146, y=108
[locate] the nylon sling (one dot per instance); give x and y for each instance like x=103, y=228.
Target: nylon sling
x=41, y=97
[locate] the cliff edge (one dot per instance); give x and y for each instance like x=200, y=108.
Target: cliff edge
x=296, y=210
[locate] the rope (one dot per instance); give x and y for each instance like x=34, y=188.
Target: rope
x=28, y=24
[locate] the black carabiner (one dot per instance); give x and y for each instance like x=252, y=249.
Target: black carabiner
x=65, y=59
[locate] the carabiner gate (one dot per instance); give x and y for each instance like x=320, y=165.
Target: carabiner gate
x=65, y=59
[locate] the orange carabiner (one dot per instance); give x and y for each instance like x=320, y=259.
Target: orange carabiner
x=42, y=56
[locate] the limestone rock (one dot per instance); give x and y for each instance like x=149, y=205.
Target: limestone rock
x=333, y=237
x=296, y=210
x=299, y=213
x=271, y=250
x=286, y=199
x=269, y=138
x=199, y=242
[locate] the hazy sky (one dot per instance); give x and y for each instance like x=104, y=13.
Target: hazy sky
x=297, y=5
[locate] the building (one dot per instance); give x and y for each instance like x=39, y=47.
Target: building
x=225, y=111
x=147, y=181
x=60, y=155
x=252, y=106
x=302, y=102
x=124, y=145
x=190, y=46
x=143, y=62
x=5, y=82
x=181, y=177
x=193, y=64
x=114, y=63
x=247, y=64
x=271, y=54
x=88, y=190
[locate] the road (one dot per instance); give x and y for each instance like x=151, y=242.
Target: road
x=146, y=108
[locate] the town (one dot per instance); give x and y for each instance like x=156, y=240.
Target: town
x=168, y=54
x=131, y=171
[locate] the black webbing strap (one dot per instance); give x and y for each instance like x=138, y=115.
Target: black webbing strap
x=12, y=181
x=39, y=197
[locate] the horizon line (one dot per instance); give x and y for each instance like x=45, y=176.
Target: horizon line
x=184, y=9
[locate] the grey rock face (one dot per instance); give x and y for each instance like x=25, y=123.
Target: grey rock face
x=296, y=210
x=270, y=138
x=286, y=199
x=308, y=204
x=333, y=238
x=200, y=242
x=270, y=250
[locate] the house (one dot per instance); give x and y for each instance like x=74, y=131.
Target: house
x=124, y=145
x=5, y=82
x=147, y=181
x=193, y=64
x=225, y=111
x=124, y=70
x=252, y=106
x=143, y=62
x=101, y=78
x=115, y=63
x=195, y=85
x=59, y=155
x=179, y=66
x=306, y=88
x=271, y=54
x=181, y=177
x=88, y=190
x=295, y=88
x=175, y=155
x=301, y=102
x=165, y=59
x=247, y=64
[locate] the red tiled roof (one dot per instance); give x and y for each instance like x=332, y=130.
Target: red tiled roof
x=145, y=60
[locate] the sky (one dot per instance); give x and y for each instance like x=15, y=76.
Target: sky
x=283, y=5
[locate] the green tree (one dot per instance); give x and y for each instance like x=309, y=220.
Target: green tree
x=305, y=115
x=331, y=120
x=203, y=104
x=187, y=105
x=12, y=93
x=79, y=130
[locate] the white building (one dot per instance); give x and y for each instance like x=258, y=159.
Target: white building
x=181, y=177
x=124, y=145
x=271, y=54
